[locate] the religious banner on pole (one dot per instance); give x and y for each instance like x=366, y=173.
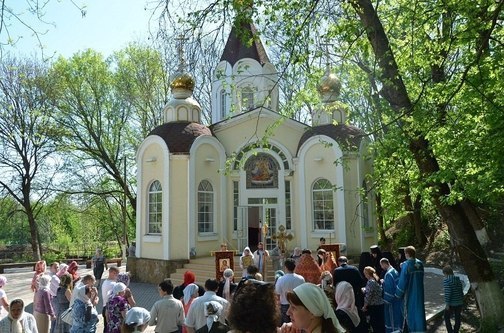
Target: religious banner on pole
x=224, y=259
x=332, y=248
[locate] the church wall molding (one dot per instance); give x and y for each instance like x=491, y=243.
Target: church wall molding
x=220, y=215
x=306, y=203
x=142, y=191
x=259, y=113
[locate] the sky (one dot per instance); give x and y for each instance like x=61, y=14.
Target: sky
x=107, y=26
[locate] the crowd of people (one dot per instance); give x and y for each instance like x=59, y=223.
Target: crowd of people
x=309, y=294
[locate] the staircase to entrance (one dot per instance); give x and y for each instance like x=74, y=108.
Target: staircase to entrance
x=204, y=269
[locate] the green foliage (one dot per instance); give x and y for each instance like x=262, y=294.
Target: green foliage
x=52, y=257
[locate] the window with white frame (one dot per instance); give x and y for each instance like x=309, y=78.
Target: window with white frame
x=205, y=207
x=323, y=205
x=223, y=104
x=247, y=98
x=155, y=206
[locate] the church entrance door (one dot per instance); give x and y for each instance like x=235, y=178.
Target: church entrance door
x=270, y=227
x=257, y=223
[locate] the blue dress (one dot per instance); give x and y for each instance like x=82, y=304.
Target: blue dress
x=393, y=305
x=85, y=318
x=411, y=289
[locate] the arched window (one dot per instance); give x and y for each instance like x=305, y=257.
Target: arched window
x=247, y=98
x=205, y=207
x=323, y=207
x=155, y=207
x=223, y=104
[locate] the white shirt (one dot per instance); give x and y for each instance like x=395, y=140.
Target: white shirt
x=287, y=283
x=3, y=313
x=27, y=321
x=78, y=285
x=54, y=285
x=196, y=314
x=106, y=288
x=167, y=314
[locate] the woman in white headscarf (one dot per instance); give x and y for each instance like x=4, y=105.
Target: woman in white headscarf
x=246, y=259
x=43, y=310
x=190, y=293
x=117, y=306
x=346, y=311
x=137, y=320
x=18, y=321
x=84, y=314
x=310, y=310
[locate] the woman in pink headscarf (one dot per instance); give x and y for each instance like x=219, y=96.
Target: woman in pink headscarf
x=40, y=268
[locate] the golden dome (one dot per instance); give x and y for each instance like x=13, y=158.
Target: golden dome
x=329, y=84
x=183, y=81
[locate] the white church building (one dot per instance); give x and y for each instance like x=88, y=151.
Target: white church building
x=200, y=186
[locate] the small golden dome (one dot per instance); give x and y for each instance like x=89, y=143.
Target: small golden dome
x=183, y=81
x=329, y=84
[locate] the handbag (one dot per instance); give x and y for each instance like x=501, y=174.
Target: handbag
x=66, y=316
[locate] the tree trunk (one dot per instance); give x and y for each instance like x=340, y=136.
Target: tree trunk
x=472, y=256
x=379, y=219
x=415, y=215
x=37, y=255
x=476, y=221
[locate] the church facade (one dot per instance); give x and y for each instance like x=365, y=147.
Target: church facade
x=252, y=170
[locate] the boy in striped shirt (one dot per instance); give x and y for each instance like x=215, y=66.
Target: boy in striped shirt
x=454, y=299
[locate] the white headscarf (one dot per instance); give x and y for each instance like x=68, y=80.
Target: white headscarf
x=137, y=316
x=81, y=295
x=315, y=300
x=213, y=310
x=17, y=324
x=189, y=291
x=226, y=291
x=250, y=252
x=118, y=287
x=345, y=299
x=44, y=282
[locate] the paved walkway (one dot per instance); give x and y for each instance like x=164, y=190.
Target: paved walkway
x=145, y=294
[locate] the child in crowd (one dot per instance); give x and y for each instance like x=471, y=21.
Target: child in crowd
x=454, y=299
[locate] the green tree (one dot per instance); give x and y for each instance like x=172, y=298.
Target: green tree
x=97, y=133
x=28, y=162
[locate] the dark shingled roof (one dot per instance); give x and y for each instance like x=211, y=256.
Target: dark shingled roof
x=179, y=136
x=349, y=137
x=237, y=46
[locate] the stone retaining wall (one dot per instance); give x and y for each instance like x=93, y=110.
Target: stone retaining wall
x=152, y=270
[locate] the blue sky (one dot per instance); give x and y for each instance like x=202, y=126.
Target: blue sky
x=108, y=26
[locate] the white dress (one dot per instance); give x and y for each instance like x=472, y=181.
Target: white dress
x=3, y=312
